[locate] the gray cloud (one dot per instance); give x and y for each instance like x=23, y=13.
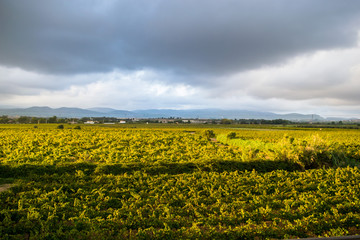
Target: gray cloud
x=265, y=55
x=188, y=37
x=329, y=77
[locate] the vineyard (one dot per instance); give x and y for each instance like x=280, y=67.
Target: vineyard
x=178, y=182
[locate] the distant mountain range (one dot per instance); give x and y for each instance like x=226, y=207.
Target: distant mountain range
x=156, y=113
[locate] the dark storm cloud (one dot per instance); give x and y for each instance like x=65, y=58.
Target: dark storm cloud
x=201, y=37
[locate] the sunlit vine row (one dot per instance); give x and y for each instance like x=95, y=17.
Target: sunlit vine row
x=247, y=205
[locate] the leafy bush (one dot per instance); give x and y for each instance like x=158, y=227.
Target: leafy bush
x=231, y=135
x=209, y=134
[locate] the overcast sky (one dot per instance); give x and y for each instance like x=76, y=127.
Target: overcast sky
x=281, y=56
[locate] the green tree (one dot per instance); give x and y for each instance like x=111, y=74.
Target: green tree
x=226, y=121
x=52, y=119
x=4, y=119
x=24, y=119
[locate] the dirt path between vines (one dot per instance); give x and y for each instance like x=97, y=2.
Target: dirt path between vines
x=5, y=187
x=216, y=141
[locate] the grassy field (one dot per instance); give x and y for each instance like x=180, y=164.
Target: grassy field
x=167, y=181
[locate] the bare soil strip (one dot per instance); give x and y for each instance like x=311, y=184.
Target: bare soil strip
x=5, y=187
x=216, y=141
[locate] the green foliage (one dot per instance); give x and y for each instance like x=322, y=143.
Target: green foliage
x=24, y=119
x=308, y=152
x=209, y=134
x=231, y=135
x=60, y=126
x=202, y=204
x=5, y=119
x=226, y=121
x=147, y=183
x=52, y=119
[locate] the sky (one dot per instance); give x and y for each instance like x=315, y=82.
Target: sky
x=280, y=56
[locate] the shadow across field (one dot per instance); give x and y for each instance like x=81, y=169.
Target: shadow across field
x=215, y=166
x=27, y=170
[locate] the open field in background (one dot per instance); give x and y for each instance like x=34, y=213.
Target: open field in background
x=164, y=181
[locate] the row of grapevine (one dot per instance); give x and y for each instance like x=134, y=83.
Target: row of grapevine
x=178, y=183
x=207, y=205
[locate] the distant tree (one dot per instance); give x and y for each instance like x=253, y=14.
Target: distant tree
x=61, y=120
x=42, y=120
x=24, y=119
x=52, y=119
x=226, y=121
x=34, y=120
x=4, y=119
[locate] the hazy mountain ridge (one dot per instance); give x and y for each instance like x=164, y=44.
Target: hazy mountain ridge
x=66, y=112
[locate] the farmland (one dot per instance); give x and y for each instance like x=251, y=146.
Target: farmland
x=178, y=182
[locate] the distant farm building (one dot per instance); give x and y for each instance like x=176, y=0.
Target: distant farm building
x=196, y=121
x=165, y=120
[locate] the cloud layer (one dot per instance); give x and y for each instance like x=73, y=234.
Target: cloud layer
x=301, y=56
x=187, y=36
